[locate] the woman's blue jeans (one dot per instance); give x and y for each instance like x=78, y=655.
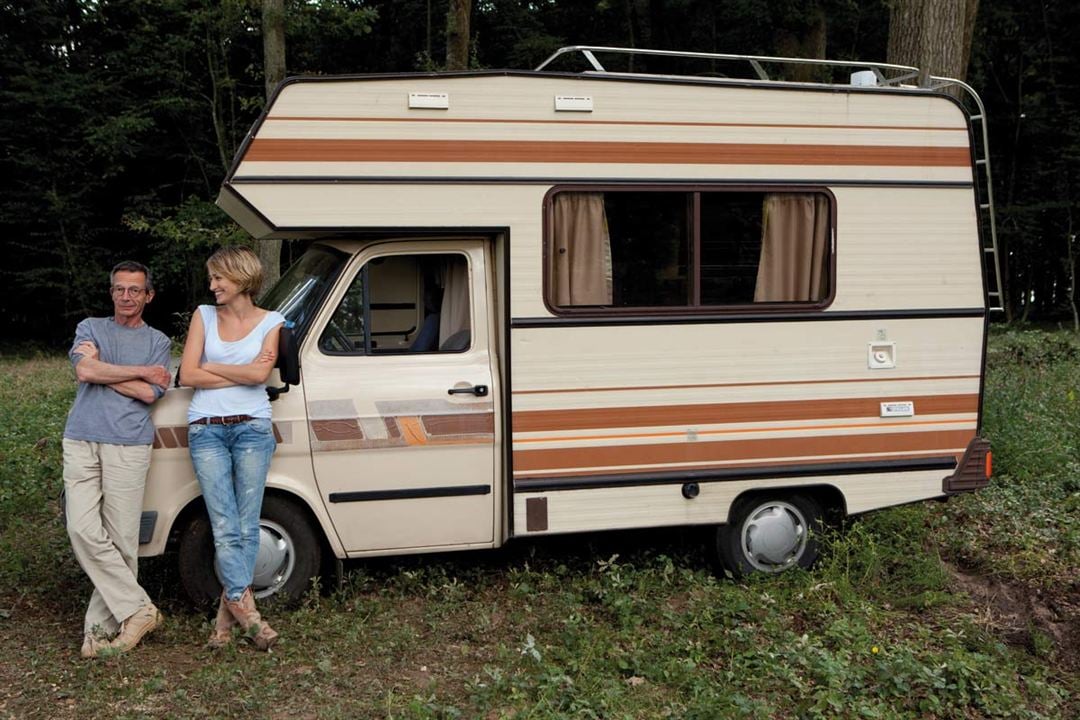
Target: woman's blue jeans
x=230, y=463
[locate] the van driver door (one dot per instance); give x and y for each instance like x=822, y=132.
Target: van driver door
x=400, y=391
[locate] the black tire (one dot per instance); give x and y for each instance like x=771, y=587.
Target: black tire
x=786, y=527
x=287, y=568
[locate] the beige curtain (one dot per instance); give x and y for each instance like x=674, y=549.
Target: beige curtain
x=794, y=248
x=582, y=248
x=454, y=315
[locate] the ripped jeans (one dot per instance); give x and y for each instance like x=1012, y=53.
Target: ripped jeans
x=230, y=463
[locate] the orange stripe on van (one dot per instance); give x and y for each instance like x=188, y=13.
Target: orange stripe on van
x=760, y=449
x=412, y=430
x=537, y=151
x=726, y=413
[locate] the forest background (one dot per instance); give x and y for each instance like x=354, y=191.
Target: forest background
x=119, y=118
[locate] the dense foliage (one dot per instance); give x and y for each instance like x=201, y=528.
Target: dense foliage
x=120, y=117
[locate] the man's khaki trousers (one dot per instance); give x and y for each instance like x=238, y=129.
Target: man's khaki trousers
x=103, y=486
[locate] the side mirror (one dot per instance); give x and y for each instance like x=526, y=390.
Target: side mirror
x=288, y=362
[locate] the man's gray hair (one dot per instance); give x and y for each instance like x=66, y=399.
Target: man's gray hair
x=132, y=266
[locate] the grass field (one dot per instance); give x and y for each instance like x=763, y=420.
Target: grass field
x=966, y=609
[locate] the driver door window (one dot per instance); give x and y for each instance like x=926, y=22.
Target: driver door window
x=403, y=304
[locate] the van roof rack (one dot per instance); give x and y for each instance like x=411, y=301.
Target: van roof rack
x=887, y=75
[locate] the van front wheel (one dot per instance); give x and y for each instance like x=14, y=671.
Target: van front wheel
x=290, y=555
x=769, y=533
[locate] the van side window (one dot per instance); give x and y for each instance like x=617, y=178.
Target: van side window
x=403, y=304
x=661, y=249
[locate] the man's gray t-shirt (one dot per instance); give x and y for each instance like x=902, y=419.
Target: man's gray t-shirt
x=101, y=414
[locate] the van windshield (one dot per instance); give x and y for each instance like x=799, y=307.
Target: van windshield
x=301, y=289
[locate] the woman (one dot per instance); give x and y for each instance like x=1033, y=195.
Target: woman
x=228, y=356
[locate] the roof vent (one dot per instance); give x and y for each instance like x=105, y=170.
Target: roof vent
x=864, y=78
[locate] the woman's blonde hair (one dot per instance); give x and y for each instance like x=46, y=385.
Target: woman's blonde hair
x=239, y=264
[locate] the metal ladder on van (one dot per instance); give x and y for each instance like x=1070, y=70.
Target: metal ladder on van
x=984, y=189
x=886, y=75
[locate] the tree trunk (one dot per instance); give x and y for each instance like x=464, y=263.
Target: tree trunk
x=631, y=40
x=427, y=35
x=808, y=42
x=971, y=9
x=273, y=28
x=932, y=35
x=457, y=34
x=1070, y=258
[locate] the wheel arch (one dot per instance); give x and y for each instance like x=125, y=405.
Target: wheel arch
x=196, y=506
x=829, y=498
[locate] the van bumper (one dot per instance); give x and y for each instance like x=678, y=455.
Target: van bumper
x=973, y=472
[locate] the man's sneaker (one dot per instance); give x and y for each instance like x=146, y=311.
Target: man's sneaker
x=93, y=645
x=135, y=627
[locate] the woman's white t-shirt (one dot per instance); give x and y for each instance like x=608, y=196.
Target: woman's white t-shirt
x=237, y=399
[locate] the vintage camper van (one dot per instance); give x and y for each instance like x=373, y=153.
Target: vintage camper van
x=551, y=302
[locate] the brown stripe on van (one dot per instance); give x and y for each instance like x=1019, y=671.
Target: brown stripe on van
x=340, y=429
x=729, y=413
x=730, y=450
x=167, y=437
x=439, y=426
x=651, y=153
x=170, y=437
x=392, y=429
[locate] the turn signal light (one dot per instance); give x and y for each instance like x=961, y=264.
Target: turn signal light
x=989, y=464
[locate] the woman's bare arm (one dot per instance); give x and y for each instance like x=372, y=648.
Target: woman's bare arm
x=191, y=374
x=252, y=373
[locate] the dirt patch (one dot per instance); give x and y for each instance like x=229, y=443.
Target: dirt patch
x=1020, y=614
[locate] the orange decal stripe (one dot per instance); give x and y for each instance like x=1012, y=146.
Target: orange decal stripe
x=511, y=151
x=412, y=430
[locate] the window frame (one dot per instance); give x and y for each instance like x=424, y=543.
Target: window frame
x=693, y=251
x=362, y=272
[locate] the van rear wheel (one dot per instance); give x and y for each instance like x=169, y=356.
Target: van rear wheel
x=290, y=555
x=768, y=533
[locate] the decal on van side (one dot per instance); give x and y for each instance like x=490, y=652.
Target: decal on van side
x=336, y=425
x=615, y=440
x=171, y=437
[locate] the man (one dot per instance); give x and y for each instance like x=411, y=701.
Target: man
x=120, y=365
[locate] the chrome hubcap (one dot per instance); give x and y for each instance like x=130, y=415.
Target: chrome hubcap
x=275, y=561
x=276, y=558
x=774, y=536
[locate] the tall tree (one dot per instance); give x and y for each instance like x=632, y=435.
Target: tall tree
x=800, y=32
x=273, y=29
x=933, y=35
x=457, y=34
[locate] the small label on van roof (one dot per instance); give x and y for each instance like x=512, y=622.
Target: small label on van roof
x=573, y=103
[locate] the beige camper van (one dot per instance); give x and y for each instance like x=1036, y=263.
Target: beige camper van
x=546, y=302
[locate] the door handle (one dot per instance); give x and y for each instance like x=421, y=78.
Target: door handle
x=477, y=390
